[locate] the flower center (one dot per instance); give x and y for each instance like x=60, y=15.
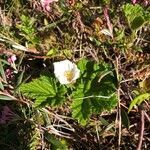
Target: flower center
x=69, y=75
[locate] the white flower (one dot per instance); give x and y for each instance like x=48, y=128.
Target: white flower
x=66, y=71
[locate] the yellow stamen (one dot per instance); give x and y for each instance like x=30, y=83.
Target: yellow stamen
x=69, y=75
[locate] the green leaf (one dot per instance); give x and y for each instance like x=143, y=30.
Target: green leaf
x=44, y=90
x=1, y=86
x=82, y=65
x=137, y=22
x=7, y=98
x=4, y=61
x=28, y=30
x=131, y=11
x=125, y=119
x=94, y=91
x=40, y=100
x=52, y=52
x=2, y=72
x=138, y=100
x=101, y=103
x=55, y=143
x=104, y=121
x=147, y=15
x=135, y=15
x=145, y=84
x=81, y=110
x=43, y=86
x=120, y=34
x=19, y=81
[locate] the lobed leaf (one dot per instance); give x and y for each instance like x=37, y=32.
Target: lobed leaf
x=94, y=93
x=135, y=15
x=44, y=90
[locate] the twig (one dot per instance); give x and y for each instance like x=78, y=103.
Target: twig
x=117, y=67
x=127, y=80
x=141, y=131
x=97, y=133
x=119, y=119
x=54, y=131
x=147, y=116
x=58, y=118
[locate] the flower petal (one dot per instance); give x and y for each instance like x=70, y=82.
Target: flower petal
x=63, y=70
